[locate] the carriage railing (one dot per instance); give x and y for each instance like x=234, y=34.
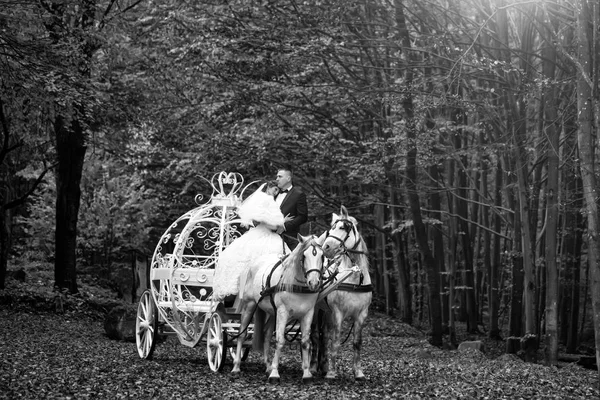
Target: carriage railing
x=182, y=270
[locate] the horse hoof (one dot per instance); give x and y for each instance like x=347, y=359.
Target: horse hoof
x=307, y=380
x=360, y=378
x=273, y=380
x=317, y=374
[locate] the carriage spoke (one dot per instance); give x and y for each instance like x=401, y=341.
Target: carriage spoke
x=148, y=341
x=145, y=326
x=215, y=345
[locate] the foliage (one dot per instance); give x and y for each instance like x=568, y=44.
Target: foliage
x=114, y=218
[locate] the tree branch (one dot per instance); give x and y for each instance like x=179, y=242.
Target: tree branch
x=21, y=200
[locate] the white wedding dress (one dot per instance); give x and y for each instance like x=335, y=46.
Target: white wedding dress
x=260, y=210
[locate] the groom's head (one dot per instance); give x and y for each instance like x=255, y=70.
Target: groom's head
x=284, y=178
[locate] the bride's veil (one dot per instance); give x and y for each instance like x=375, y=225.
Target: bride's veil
x=261, y=207
x=249, y=205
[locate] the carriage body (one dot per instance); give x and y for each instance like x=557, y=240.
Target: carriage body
x=180, y=300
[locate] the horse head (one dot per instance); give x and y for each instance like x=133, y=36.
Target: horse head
x=312, y=261
x=342, y=235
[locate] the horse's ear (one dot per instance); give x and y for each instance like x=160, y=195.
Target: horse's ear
x=344, y=212
x=321, y=238
x=301, y=238
x=334, y=217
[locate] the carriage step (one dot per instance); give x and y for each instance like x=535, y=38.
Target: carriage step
x=200, y=306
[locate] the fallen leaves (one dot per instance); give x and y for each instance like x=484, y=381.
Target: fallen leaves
x=45, y=355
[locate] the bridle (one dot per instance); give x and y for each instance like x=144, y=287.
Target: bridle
x=318, y=270
x=349, y=228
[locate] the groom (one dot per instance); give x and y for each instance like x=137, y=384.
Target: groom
x=292, y=202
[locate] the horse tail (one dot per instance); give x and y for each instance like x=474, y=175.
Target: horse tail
x=258, y=338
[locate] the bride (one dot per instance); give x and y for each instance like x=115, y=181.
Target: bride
x=262, y=213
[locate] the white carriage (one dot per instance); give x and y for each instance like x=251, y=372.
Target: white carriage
x=180, y=300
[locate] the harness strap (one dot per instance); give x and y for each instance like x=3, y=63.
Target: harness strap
x=287, y=287
x=349, y=287
x=268, y=282
x=330, y=278
x=269, y=290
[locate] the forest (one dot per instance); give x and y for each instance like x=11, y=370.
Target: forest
x=461, y=134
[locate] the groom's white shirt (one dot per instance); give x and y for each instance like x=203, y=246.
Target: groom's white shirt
x=281, y=197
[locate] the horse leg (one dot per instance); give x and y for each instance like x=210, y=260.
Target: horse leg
x=357, y=344
x=246, y=314
x=316, y=336
x=270, y=326
x=281, y=321
x=334, y=328
x=323, y=345
x=259, y=341
x=305, y=324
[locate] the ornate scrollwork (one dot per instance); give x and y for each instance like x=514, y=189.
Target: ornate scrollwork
x=189, y=243
x=226, y=184
x=190, y=246
x=199, y=199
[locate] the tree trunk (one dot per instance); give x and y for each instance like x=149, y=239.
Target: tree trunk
x=402, y=267
x=485, y=222
x=574, y=226
x=495, y=266
x=515, y=123
x=451, y=268
x=5, y=243
x=550, y=96
x=70, y=123
x=465, y=234
x=70, y=146
x=411, y=188
x=517, y=118
x=383, y=283
x=586, y=26
x=515, y=324
x=436, y=230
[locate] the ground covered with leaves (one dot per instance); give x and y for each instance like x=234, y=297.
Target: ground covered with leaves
x=48, y=355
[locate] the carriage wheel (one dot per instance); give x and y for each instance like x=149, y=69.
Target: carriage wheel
x=146, y=326
x=215, y=343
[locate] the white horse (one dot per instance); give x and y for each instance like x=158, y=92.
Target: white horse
x=285, y=289
x=351, y=299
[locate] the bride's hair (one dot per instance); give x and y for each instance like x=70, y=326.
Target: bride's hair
x=269, y=185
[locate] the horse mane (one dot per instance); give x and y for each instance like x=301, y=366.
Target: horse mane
x=292, y=265
x=362, y=255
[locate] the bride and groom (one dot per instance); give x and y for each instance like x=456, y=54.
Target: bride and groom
x=275, y=213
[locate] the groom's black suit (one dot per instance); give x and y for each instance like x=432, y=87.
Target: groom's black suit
x=294, y=204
